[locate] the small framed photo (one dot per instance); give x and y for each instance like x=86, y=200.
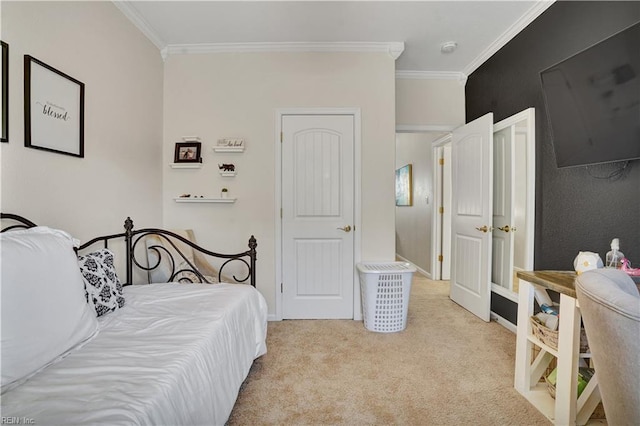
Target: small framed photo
x=54, y=109
x=4, y=112
x=188, y=152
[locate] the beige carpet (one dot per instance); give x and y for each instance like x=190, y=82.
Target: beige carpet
x=447, y=368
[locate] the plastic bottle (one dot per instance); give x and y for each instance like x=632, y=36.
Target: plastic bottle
x=548, y=309
x=614, y=257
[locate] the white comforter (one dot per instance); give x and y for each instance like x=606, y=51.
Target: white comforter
x=176, y=354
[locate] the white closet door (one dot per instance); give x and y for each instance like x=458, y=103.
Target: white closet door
x=317, y=216
x=503, y=196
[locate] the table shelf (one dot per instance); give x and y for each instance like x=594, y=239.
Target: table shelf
x=566, y=408
x=533, y=339
x=539, y=397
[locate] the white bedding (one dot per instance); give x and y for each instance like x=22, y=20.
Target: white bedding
x=176, y=354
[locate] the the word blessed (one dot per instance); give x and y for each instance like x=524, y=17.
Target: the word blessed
x=54, y=111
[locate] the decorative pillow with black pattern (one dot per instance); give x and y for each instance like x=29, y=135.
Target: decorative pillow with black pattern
x=102, y=287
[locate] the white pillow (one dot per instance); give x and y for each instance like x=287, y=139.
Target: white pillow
x=44, y=311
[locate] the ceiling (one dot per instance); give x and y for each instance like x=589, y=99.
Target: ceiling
x=479, y=28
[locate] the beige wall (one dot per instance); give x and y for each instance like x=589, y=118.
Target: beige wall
x=237, y=95
x=429, y=102
x=122, y=72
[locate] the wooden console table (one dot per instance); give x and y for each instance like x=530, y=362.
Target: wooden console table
x=567, y=408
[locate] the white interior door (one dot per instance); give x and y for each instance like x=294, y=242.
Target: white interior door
x=446, y=213
x=317, y=216
x=472, y=202
x=503, y=197
x=441, y=244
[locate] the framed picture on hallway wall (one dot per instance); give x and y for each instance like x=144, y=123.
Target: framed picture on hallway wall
x=403, y=186
x=4, y=112
x=54, y=109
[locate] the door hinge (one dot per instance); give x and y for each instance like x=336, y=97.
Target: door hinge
x=281, y=137
x=441, y=210
x=281, y=288
x=441, y=161
x=280, y=212
x=440, y=258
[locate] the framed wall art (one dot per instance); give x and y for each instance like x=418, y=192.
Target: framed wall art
x=187, y=152
x=403, y=186
x=4, y=112
x=53, y=109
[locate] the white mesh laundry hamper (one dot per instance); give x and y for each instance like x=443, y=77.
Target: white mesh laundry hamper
x=385, y=288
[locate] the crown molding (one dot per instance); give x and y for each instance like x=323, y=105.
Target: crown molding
x=535, y=11
x=134, y=16
x=423, y=128
x=394, y=49
x=432, y=75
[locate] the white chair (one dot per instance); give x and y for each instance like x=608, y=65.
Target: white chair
x=610, y=306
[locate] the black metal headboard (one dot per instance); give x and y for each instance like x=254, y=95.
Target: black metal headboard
x=132, y=237
x=21, y=222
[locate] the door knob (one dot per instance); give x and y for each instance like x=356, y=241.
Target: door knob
x=506, y=228
x=346, y=228
x=485, y=228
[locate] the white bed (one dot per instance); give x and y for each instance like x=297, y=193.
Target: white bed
x=175, y=354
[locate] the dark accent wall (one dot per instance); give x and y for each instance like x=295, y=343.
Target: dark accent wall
x=575, y=211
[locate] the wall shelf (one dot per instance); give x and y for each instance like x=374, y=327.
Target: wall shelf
x=185, y=165
x=227, y=174
x=228, y=148
x=204, y=200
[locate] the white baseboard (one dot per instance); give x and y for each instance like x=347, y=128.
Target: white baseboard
x=419, y=269
x=503, y=322
x=274, y=318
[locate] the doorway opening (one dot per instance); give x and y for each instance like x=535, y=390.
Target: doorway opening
x=415, y=223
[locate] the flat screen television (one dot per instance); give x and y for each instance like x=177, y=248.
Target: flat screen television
x=593, y=102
